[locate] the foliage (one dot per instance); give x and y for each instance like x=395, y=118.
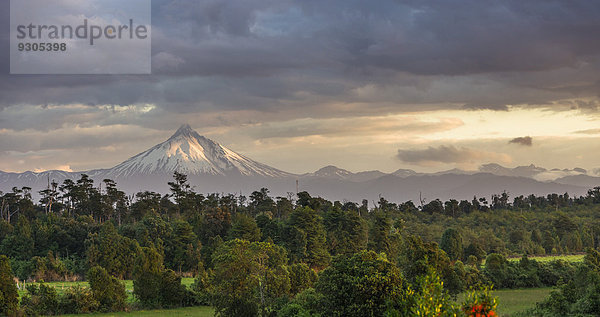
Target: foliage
x=248, y=277
x=112, y=251
x=201, y=288
x=77, y=226
x=78, y=300
x=419, y=258
x=452, y=244
x=480, y=303
x=183, y=248
x=347, y=232
x=301, y=277
x=579, y=296
x=107, y=290
x=526, y=272
x=431, y=298
x=308, y=224
x=307, y=303
x=147, y=273
x=9, y=297
x=40, y=299
x=244, y=227
x=359, y=285
x=381, y=237
x=49, y=268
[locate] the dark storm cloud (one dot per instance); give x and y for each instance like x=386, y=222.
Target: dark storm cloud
x=525, y=141
x=445, y=154
x=280, y=56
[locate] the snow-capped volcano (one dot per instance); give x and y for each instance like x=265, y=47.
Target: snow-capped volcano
x=189, y=153
x=213, y=168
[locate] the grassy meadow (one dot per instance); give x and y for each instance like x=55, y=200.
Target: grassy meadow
x=510, y=300
x=62, y=286
x=548, y=258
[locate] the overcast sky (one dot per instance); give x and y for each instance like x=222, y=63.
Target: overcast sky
x=363, y=85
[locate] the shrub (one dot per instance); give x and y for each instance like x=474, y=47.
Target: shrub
x=147, y=277
x=452, y=244
x=78, y=300
x=107, y=290
x=49, y=268
x=9, y=296
x=431, y=299
x=301, y=277
x=579, y=296
x=153, y=286
x=360, y=285
x=306, y=303
x=172, y=293
x=480, y=303
x=496, y=269
x=40, y=300
x=200, y=288
x=248, y=278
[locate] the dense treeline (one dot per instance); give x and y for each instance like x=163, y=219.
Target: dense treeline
x=263, y=254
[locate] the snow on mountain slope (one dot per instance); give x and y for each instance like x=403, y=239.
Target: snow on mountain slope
x=331, y=171
x=190, y=153
x=334, y=172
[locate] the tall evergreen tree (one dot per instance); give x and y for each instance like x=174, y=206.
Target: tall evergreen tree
x=9, y=296
x=452, y=244
x=307, y=221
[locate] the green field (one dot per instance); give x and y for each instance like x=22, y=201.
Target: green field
x=62, y=286
x=548, y=258
x=515, y=300
x=201, y=311
x=511, y=301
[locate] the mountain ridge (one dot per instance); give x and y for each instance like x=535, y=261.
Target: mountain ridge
x=212, y=167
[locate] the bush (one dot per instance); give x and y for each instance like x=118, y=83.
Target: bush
x=452, y=244
x=360, y=285
x=40, y=300
x=9, y=296
x=155, y=287
x=49, y=268
x=431, y=299
x=249, y=278
x=306, y=303
x=200, y=288
x=301, y=277
x=480, y=303
x=21, y=268
x=147, y=277
x=172, y=293
x=107, y=290
x=78, y=300
x=579, y=296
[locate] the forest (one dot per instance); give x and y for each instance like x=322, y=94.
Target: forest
x=297, y=255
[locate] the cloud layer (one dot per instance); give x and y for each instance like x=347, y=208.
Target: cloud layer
x=448, y=154
x=316, y=72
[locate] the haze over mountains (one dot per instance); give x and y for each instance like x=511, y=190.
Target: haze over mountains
x=212, y=167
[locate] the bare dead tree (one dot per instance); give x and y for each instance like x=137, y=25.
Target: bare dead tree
x=5, y=211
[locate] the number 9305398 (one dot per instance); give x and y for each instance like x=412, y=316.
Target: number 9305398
x=42, y=47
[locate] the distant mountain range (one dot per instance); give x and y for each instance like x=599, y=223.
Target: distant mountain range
x=212, y=167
